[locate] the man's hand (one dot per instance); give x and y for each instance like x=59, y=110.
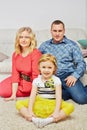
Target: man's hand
x=70, y=81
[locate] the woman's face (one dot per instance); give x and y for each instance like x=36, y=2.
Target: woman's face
x=24, y=39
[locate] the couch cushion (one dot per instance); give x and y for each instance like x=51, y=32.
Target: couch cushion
x=7, y=48
x=3, y=56
x=6, y=66
x=7, y=35
x=84, y=52
x=83, y=43
x=71, y=33
x=75, y=33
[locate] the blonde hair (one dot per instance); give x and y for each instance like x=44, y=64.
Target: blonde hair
x=33, y=44
x=48, y=57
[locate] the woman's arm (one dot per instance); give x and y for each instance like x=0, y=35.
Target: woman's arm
x=15, y=79
x=35, y=58
x=14, y=91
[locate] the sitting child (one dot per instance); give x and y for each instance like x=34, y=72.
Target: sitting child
x=45, y=104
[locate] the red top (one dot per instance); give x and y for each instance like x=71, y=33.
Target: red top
x=27, y=65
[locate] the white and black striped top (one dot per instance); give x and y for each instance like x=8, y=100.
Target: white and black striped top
x=46, y=89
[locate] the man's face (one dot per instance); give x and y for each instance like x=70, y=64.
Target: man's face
x=57, y=32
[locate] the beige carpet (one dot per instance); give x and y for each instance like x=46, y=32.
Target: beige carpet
x=11, y=120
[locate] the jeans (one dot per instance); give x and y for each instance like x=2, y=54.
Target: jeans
x=78, y=92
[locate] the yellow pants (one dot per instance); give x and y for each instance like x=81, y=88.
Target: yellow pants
x=45, y=107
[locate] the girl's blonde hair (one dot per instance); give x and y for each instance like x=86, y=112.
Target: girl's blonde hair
x=33, y=44
x=48, y=57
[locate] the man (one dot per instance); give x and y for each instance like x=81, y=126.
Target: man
x=70, y=62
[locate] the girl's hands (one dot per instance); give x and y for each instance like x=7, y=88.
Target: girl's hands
x=55, y=115
x=29, y=117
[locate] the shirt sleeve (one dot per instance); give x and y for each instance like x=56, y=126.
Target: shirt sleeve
x=42, y=48
x=35, y=58
x=57, y=80
x=79, y=62
x=35, y=82
x=15, y=73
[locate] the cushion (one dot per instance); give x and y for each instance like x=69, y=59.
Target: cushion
x=3, y=56
x=83, y=43
x=84, y=52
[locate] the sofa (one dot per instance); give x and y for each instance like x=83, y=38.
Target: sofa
x=7, y=41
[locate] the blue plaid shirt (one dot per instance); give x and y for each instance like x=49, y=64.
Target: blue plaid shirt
x=68, y=54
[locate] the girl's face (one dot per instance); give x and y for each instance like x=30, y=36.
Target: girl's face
x=47, y=69
x=24, y=39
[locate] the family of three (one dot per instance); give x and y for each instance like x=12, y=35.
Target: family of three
x=49, y=75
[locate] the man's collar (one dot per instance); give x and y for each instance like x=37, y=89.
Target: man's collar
x=63, y=41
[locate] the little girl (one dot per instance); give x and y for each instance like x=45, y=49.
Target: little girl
x=45, y=104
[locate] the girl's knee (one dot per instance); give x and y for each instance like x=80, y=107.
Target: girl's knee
x=21, y=103
x=69, y=108
x=18, y=105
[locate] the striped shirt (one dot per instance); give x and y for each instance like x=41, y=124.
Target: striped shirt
x=46, y=89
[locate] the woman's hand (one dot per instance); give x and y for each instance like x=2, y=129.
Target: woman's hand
x=14, y=90
x=13, y=97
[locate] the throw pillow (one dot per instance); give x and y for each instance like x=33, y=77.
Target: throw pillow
x=84, y=52
x=83, y=43
x=3, y=56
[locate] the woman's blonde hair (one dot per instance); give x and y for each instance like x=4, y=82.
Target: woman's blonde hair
x=33, y=44
x=48, y=57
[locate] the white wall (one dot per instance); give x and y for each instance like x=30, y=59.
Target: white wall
x=39, y=14
x=86, y=17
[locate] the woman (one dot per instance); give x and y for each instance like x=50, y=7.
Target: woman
x=24, y=66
